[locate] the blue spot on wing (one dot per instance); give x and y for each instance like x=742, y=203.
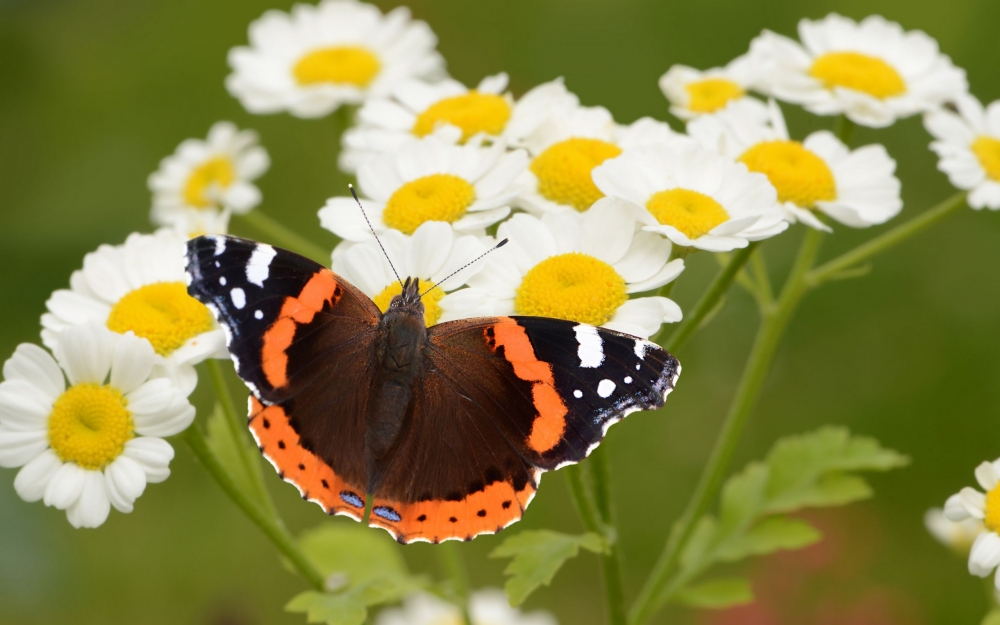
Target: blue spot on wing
x=352, y=499
x=387, y=513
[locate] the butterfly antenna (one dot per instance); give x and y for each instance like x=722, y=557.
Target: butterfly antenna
x=365, y=215
x=471, y=262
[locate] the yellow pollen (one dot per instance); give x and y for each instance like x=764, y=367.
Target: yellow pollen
x=217, y=173
x=693, y=213
x=473, y=112
x=89, y=425
x=859, y=72
x=339, y=65
x=163, y=313
x=563, y=171
x=992, y=520
x=712, y=94
x=987, y=150
x=797, y=174
x=438, y=197
x=573, y=286
x=432, y=310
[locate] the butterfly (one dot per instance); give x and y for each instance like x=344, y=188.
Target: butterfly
x=449, y=428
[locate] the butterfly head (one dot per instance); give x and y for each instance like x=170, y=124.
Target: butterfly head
x=408, y=302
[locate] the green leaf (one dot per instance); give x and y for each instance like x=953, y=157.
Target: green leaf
x=538, y=555
x=716, y=594
x=993, y=618
x=355, y=552
x=743, y=498
x=343, y=609
x=226, y=448
x=702, y=540
x=770, y=535
x=798, y=463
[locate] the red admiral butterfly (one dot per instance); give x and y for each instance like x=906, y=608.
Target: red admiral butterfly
x=448, y=428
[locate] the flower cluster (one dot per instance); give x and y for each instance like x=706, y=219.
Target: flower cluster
x=600, y=216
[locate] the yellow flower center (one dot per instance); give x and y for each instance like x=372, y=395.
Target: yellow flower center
x=712, y=94
x=89, y=425
x=339, y=65
x=215, y=173
x=438, y=197
x=432, y=309
x=797, y=174
x=859, y=72
x=693, y=213
x=473, y=112
x=987, y=150
x=572, y=286
x=162, y=313
x=992, y=520
x=563, y=171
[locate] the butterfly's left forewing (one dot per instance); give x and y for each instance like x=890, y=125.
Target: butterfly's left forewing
x=504, y=399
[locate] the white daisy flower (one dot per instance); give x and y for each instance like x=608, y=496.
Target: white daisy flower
x=195, y=223
x=873, y=72
x=97, y=443
x=319, y=57
x=140, y=287
x=208, y=177
x=568, y=145
x=486, y=607
x=431, y=254
x=693, y=196
x=968, y=143
x=693, y=93
x=469, y=186
x=970, y=503
x=956, y=535
x=448, y=108
x=580, y=267
x=855, y=187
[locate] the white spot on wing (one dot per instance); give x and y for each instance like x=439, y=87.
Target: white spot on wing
x=628, y=379
x=605, y=388
x=591, y=347
x=222, y=281
x=220, y=245
x=640, y=349
x=259, y=266
x=239, y=298
x=578, y=393
x=258, y=314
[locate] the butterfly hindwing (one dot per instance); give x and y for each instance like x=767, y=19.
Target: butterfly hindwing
x=292, y=326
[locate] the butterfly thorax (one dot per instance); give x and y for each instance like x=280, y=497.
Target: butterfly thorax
x=400, y=365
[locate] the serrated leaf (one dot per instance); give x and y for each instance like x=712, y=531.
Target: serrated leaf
x=356, y=552
x=537, y=557
x=343, y=609
x=829, y=490
x=797, y=462
x=716, y=594
x=219, y=437
x=993, y=618
x=743, y=498
x=770, y=535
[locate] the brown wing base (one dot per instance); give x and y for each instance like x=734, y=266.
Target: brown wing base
x=279, y=443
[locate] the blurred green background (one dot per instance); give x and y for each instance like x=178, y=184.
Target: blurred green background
x=93, y=93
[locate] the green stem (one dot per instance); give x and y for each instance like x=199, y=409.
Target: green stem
x=886, y=240
x=582, y=499
x=271, y=526
x=769, y=335
x=707, y=303
x=765, y=294
x=611, y=564
x=282, y=236
x=249, y=455
x=454, y=566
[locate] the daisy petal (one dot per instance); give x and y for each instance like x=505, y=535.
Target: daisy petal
x=955, y=510
x=20, y=448
x=85, y=353
x=65, y=486
x=153, y=455
x=986, y=475
x=34, y=477
x=125, y=481
x=132, y=362
x=93, y=506
x=34, y=365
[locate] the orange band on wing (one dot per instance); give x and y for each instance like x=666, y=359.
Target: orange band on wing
x=484, y=512
x=279, y=442
x=549, y=424
x=321, y=289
